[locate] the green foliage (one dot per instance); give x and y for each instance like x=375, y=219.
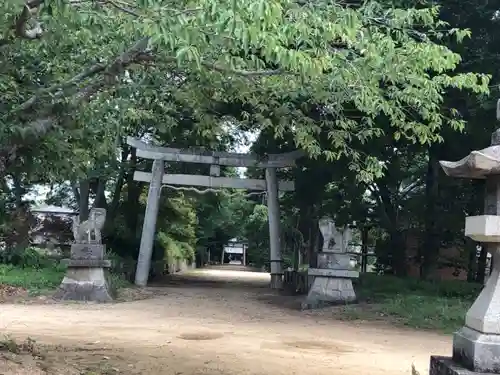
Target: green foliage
x=414, y=303
x=176, y=230
x=181, y=221
x=35, y=280
x=30, y=257
x=257, y=235
x=39, y=273
x=373, y=285
x=175, y=250
x=226, y=211
x=386, y=63
x=116, y=281
x=374, y=86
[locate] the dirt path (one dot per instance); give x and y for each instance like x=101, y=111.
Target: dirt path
x=199, y=325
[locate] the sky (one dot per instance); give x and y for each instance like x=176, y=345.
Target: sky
x=244, y=148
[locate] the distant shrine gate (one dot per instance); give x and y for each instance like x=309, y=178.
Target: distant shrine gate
x=157, y=177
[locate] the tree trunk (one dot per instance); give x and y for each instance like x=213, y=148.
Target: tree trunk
x=133, y=195
x=115, y=200
x=18, y=190
x=296, y=257
x=470, y=247
x=100, y=196
x=430, y=251
x=84, y=193
x=304, y=227
x=364, y=248
x=76, y=192
x=398, y=247
x=315, y=242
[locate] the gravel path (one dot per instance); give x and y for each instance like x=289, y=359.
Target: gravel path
x=215, y=321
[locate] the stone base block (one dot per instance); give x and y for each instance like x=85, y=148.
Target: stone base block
x=84, y=284
x=477, y=351
x=343, y=274
x=327, y=291
x=446, y=366
x=87, y=263
x=87, y=251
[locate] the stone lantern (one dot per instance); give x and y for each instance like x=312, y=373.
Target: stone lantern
x=476, y=346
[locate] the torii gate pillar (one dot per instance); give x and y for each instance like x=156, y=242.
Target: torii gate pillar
x=149, y=226
x=274, y=229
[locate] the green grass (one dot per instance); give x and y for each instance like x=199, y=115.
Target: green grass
x=418, y=304
x=116, y=282
x=35, y=280
x=44, y=279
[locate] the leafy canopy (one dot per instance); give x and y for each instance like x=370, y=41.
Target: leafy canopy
x=385, y=63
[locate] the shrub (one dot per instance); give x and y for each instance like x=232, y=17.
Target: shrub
x=175, y=250
x=30, y=257
x=34, y=280
x=373, y=285
x=121, y=267
x=187, y=251
x=116, y=282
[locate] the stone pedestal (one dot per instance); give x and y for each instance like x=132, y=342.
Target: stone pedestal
x=477, y=351
x=332, y=282
x=446, y=366
x=85, y=279
x=476, y=346
x=330, y=287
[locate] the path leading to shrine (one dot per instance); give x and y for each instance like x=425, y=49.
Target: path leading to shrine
x=212, y=322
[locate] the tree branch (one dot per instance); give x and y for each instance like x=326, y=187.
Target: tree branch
x=110, y=77
x=32, y=8
x=40, y=126
x=122, y=8
x=222, y=69
x=410, y=188
x=94, y=69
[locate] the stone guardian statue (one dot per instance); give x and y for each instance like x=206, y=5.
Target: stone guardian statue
x=89, y=231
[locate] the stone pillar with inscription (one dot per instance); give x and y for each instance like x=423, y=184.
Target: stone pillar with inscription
x=476, y=346
x=85, y=278
x=333, y=276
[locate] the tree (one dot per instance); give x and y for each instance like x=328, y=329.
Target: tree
x=336, y=80
x=369, y=55
x=480, y=52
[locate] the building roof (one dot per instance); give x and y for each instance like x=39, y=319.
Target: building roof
x=50, y=209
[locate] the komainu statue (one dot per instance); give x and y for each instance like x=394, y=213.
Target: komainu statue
x=89, y=231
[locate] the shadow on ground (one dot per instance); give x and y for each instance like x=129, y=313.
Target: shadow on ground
x=255, y=285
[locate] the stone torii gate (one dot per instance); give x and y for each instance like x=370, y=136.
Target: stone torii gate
x=157, y=177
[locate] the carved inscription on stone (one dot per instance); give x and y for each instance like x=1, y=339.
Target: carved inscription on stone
x=87, y=251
